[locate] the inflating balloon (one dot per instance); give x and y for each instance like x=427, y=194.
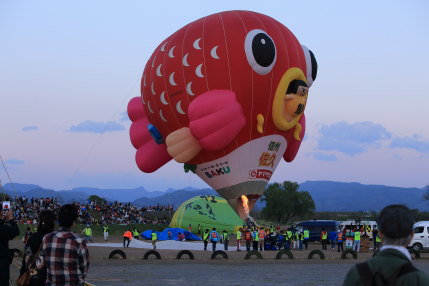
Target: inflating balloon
x=226, y=96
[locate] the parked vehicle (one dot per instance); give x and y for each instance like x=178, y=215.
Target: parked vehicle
x=420, y=239
x=351, y=224
x=316, y=226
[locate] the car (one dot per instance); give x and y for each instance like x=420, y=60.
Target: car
x=316, y=227
x=420, y=239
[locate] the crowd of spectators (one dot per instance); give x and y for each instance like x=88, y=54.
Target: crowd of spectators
x=26, y=210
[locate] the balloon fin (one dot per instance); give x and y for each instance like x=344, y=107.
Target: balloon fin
x=216, y=118
x=150, y=156
x=182, y=146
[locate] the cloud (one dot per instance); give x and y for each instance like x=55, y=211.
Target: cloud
x=325, y=157
x=29, y=128
x=14, y=162
x=96, y=127
x=415, y=142
x=351, y=138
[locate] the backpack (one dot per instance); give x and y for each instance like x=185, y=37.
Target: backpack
x=368, y=277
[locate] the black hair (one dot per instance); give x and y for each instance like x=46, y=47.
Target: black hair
x=46, y=221
x=67, y=215
x=396, y=221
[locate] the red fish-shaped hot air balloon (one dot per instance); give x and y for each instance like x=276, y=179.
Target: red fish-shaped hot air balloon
x=226, y=96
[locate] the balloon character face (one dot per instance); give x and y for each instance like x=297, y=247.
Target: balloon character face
x=225, y=95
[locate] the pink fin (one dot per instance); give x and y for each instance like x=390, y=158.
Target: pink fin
x=149, y=156
x=216, y=118
x=293, y=144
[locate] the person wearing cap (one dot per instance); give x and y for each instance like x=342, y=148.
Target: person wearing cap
x=392, y=265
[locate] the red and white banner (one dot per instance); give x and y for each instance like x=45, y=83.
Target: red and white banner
x=253, y=161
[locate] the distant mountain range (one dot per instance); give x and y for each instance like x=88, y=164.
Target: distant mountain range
x=328, y=195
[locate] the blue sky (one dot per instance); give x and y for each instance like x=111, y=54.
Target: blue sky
x=68, y=70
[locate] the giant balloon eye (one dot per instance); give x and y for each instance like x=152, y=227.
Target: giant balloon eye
x=311, y=63
x=260, y=51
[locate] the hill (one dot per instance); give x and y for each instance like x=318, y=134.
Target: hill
x=328, y=195
x=338, y=196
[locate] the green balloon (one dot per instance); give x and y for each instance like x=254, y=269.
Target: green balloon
x=209, y=212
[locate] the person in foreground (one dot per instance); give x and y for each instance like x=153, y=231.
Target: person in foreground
x=392, y=265
x=67, y=257
x=34, y=258
x=7, y=232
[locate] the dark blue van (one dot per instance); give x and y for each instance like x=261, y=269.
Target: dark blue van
x=316, y=226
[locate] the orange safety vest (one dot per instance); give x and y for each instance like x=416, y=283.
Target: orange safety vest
x=247, y=235
x=128, y=234
x=340, y=236
x=262, y=234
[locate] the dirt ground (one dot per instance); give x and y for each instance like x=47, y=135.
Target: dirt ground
x=203, y=271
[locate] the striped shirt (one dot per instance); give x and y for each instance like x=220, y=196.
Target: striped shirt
x=67, y=258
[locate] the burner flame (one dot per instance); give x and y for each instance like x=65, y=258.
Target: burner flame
x=245, y=201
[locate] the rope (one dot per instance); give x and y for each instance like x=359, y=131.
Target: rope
x=115, y=114
x=7, y=173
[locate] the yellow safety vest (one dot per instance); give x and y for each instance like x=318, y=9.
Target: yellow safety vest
x=325, y=235
x=206, y=236
x=357, y=235
x=239, y=235
x=377, y=238
x=88, y=231
x=136, y=233
x=225, y=236
x=154, y=236
x=306, y=234
x=105, y=228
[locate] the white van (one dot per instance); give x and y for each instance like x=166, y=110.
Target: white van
x=351, y=224
x=420, y=239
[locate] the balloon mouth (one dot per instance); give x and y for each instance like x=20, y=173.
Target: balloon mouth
x=244, y=205
x=287, y=111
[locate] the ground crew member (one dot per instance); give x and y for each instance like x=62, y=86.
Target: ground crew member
x=214, y=238
x=239, y=237
x=295, y=239
x=87, y=231
x=247, y=238
x=301, y=240
x=288, y=239
x=262, y=234
x=154, y=239
x=225, y=237
x=306, y=238
x=356, y=243
x=127, y=237
x=255, y=239
x=340, y=241
x=377, y=242
x=324, y=239
x=206, y=235
x=136, y=233
x=106, y=232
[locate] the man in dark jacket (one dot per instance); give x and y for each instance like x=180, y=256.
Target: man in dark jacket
x=7, y=232
x=392, y=266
